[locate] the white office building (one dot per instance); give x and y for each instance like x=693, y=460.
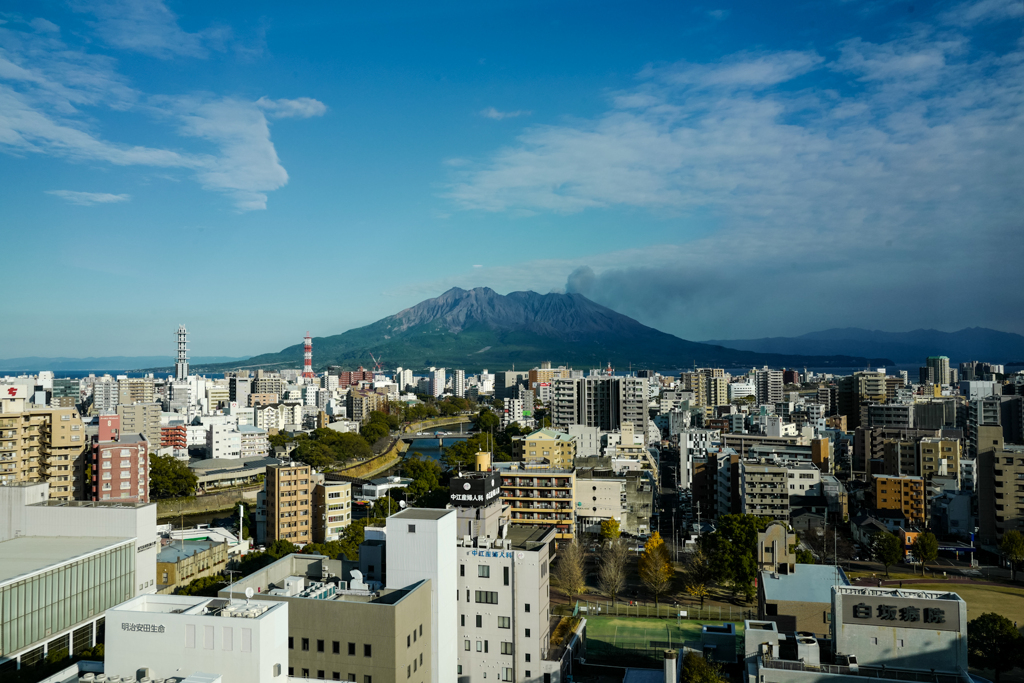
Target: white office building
x=165, y=636
x=437, y=381
x=421, y=545
x=459, y=383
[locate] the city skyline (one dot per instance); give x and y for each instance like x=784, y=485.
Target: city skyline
x=671, y=163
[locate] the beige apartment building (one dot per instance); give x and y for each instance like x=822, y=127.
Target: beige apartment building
x=332, y=509
x=557, y=448
x=1000, y=485
x=289, y=503
x=141, y=418
x=46, y=444
x=135, y=390
x=540, y=495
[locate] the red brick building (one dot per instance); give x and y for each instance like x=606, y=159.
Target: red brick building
x=118, y=465
x=347, y=378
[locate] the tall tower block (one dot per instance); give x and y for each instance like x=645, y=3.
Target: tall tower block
x=181, y=367
x=307, y=358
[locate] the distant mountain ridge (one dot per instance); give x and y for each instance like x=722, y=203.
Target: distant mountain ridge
x=972, y=343
x=479, y=328
x=104, y=363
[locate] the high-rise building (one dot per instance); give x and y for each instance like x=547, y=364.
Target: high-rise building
x=105, y=395
x=118, y=466
x=503, y=630
x=984, y=412
x=459, y=383
x=905, y=494
x=421, y=545
x=437, y=381
x=136, y=390
x=181, y=366
x=539, y=494
x=289, y=503
x=940, y=369
x=332, y=508
x=769, y=386
x=603, y=402
x=1000, y=473
x=141, y=418
x=44, y=445
x=863, y=387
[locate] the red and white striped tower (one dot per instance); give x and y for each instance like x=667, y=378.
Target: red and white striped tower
x=307, y=358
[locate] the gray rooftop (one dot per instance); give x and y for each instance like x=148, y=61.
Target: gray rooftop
x=423, y=513
x=29, y=554
x=808, y=583
x=179, y=550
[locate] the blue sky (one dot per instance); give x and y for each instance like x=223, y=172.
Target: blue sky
x=715, y=170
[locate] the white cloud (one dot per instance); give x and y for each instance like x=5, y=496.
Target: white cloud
x=831, y=191
x=44, y=26
x=149, y=27
x=971, y=13
x=89, y=198
x=48, y=91
x=492, y=113
x=302, y=108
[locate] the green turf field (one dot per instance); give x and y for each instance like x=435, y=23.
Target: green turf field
x=611, y=634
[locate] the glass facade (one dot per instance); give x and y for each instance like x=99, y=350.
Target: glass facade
x=53, y=601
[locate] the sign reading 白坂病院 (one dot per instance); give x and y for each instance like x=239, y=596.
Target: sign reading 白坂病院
x=886, y=610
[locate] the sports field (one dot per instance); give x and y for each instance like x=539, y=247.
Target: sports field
x=607, y=635
x=981, y=598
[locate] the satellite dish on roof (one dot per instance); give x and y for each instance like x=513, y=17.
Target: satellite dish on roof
x=402, y=504
x=249, y=592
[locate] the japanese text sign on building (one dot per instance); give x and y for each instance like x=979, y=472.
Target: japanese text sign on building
x=143, y=628
x=900, y=612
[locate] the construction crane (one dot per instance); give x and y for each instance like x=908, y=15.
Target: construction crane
x=376, y=363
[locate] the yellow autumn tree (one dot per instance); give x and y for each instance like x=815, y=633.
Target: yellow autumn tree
x=655, y=567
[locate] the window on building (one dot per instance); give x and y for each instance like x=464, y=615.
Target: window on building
x=320, y=647
x=483, y=571
x=462, y=617
x=367, y=650
x=367, y=678
x=479, y=621
x=462, y=570
x=352, y=651
x=527, y=633
x=504, y=622
x=466, y=645
x=506, y=648
x=479, y=646
x=305, y=673
x=335, y=675
x=412, y=528
x=527, y=656
x=504, y=571
x=526, y=607
x=336, y=647
x=488, y=597
x=320, y=674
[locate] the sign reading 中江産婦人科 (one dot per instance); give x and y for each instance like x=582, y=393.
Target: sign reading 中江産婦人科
x=909, y=612
x=474, y=491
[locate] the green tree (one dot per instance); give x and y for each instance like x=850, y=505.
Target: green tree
x=696, y=669
x=461, y=455
x=570, y=570
x=280, y=548
x=486, y=421
x=610, y=530
x=1012, y=548
x=993, y=642
x=732, y=548
x=426, y=475
x=385, y=506
x=374, y=432
x=391, y=421
x=804, y=556
x=355, y=534
x=885, y=548
x=925, y=548
x=206, y=586
x=655, y=566
x=170, y=478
